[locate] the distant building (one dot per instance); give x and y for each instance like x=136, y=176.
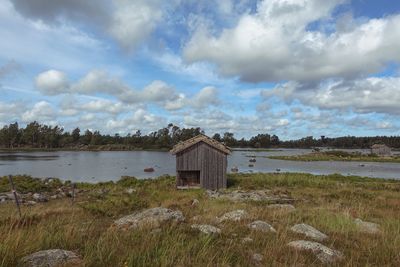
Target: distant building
x=201, y=162
x=381, y=150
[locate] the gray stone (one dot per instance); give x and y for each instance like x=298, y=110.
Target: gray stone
x=39, y=197
x=257, y=257
x=206, y=228
x=247, y=240
x=130, y=190
x=151, y=218
x=309, y=231
x=51, y=258
x=324, y=254
x=235, y=216
x=367, y=227
x=261, y=226
x=30, y=203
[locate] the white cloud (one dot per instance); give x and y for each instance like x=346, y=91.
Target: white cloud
x=276, y=44
x=205, y=97
x=41, y=111
x=52, y=82
x=374, y=94
x=129, y=22
x=133, y=21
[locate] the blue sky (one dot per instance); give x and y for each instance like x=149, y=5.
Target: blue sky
x=293, y=68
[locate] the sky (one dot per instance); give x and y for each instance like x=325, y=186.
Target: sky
x=293, y=68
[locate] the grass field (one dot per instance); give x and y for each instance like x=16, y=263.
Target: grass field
x=329, y=203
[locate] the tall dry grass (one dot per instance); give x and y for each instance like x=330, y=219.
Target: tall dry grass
x=329, y=203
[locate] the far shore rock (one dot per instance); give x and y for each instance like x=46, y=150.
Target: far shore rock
x=150, y=218
x=51, y=258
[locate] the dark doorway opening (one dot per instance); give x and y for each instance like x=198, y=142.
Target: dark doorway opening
x=190, y=178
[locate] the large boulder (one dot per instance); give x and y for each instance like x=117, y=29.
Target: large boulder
x=367, y=227
x=261, y=226
x=207, y=229
x=234, y=216
x=324, y=254
x=150, y=218
x=309, y=231
x=51, y=258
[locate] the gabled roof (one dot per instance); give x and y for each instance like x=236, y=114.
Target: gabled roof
x=197, y=139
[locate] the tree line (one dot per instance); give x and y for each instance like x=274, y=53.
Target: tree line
x=36, y=135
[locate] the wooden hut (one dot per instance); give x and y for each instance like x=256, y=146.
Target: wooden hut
x=201, y=162
x=381, y=150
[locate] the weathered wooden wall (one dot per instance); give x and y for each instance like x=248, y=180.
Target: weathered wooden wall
x=209, y=161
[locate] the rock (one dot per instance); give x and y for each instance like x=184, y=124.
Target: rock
x=155, y=231
x=261, y=226
x=235, y=216
x=324, y=254
x=51, y=258
x=195, y=202
x=247, y=240
x=130, y=190
x=39, y=197
x=309, y=231
x=196, y=218
x=152, y=218
x=367, y=227
x=257, y=258
x=207, y=229
x=282, y=207
x=255, y=195
x=30, y=203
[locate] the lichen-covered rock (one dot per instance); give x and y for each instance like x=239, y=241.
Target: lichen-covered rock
x=367, y=227
x=261, y=226
x=281, y=207
x=255, y=195
x=235, y=216
x=51, y=258
x=150, y=218
x=309, y=231
x=207, y=229
x=323, y=253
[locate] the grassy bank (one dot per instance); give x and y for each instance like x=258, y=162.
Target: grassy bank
x=329, y=203
x=338, y=156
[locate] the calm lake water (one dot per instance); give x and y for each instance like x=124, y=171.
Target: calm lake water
x=111, y=165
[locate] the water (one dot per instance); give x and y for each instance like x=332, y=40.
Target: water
x=111, y=165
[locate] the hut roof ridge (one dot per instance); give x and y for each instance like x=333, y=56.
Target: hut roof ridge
x=197, y=139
